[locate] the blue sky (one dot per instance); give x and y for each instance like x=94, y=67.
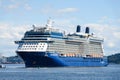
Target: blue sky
x=17, y=16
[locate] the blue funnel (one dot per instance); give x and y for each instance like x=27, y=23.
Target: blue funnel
x=78, y=28
x=87, y=30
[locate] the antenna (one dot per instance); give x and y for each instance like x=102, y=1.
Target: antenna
x=34, y=28
x=49, y=22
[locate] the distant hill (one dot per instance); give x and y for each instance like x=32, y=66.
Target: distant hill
x=14, y=60
x=114, y=58
x=11, y=60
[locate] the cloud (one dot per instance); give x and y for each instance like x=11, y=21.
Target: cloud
x=109, y=20
x=111, y=44
x=47, y=9
x=27, y=7
x=117, y=35
x=9, y=34
x=13, y=5
x=9, y=31
x=58, y=12
x=10, y=5
x=66, y=24
x=67, y=10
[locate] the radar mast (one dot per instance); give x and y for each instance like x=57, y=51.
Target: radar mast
x=49, y=23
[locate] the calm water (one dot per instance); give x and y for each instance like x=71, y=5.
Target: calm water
x=18, y=72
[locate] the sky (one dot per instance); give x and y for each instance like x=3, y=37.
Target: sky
x=18, y=16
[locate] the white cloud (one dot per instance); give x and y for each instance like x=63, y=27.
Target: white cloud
x=9, y=31
x=27, y=7
x=57, y=12
x=111, y=45
x=9, y=34
x=66, y=24
x=12, y=6
x=117, y=34
x=47, y=10
x=6, y=35
x=67, y=10
x=109, y=20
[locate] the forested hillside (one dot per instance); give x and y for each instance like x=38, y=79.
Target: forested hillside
x=114, y=58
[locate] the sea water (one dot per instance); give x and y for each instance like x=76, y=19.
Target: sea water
x=19, y=72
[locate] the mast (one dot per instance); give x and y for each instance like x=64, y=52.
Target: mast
x=49, y=23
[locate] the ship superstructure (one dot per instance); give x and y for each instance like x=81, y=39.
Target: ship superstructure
x=49, y=47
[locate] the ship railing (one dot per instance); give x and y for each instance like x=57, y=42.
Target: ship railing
x=75, y=41
x=95, y=39
x=23, y=41
x=34, y=37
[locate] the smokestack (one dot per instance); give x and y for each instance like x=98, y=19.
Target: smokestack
x=87, y=30
x=78, y=28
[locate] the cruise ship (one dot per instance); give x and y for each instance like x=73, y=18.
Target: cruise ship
x=45, y=46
